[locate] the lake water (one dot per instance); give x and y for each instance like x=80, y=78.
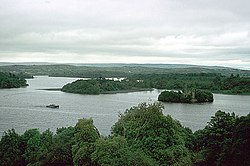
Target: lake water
x=24, y=108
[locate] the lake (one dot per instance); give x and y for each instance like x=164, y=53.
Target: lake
x=24, y=108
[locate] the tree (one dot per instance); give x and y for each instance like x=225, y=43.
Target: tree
x=85, y=136
x=9, y=80
x=61, y=148
x=10, y=151
x=236, y=152
x=115, y=151
x=170, y=96
x=145, y=127
x=215, y=136
x=203, y=96
x=38, y=147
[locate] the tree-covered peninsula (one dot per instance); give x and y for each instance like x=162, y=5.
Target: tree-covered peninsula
x=9, y=80
x=102, y=86
x=186, y=96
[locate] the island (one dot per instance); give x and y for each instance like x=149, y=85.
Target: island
x=9, y=80
x=186, y=96
x=103, y=86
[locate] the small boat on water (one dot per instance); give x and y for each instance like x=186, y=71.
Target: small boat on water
x=52, y=106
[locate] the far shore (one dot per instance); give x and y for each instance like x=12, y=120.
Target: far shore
x=52, y=89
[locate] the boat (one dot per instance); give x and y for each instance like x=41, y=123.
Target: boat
x=52, y=106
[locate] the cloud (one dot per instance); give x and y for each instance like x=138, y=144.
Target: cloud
x=155, y=31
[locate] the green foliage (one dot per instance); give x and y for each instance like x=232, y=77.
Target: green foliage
x=38, y=147
x=85, y=136
x=83, y=87
x=97, y=86
x=206, y=81
x=10, y=150
x=236, y=85
x=203, y=96
x=225, y=140
x=115, y=151
x=170, y=96
x=86, y=131
x=61, y=148
x=8, y=80
x=48, y=149
x=179, y=81
x=23, y=75
x=236, y=150
x=82, y=153
x=145, y=127
x=195, y=96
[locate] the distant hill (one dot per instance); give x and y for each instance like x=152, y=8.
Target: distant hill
x=24, y=63
x=116, y=70
x=166, y=66
x=133, y=65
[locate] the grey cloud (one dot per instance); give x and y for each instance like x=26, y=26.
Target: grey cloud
x=194, y=29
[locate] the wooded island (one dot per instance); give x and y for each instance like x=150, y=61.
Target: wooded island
x=102, y=86
x=186, y=96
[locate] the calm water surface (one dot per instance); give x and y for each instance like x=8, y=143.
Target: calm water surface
x=24, y=108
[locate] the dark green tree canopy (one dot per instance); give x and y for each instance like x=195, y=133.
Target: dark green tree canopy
x=102, y=86
x=145, y=127
x=187, y=96
x=9, y=80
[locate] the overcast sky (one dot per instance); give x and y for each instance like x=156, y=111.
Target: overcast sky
x=203, y=32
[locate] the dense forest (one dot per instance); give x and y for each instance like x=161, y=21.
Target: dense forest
x=101, y=86
x=233, y=84
x=141, y=136
x=9, y=80
x=187, y=96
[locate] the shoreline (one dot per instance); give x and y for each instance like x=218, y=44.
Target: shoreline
x=105, y=92
x=225, y=92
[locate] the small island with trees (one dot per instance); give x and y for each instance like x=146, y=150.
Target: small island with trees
x=186, y=96
x=102, y=86
x=9, y=80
